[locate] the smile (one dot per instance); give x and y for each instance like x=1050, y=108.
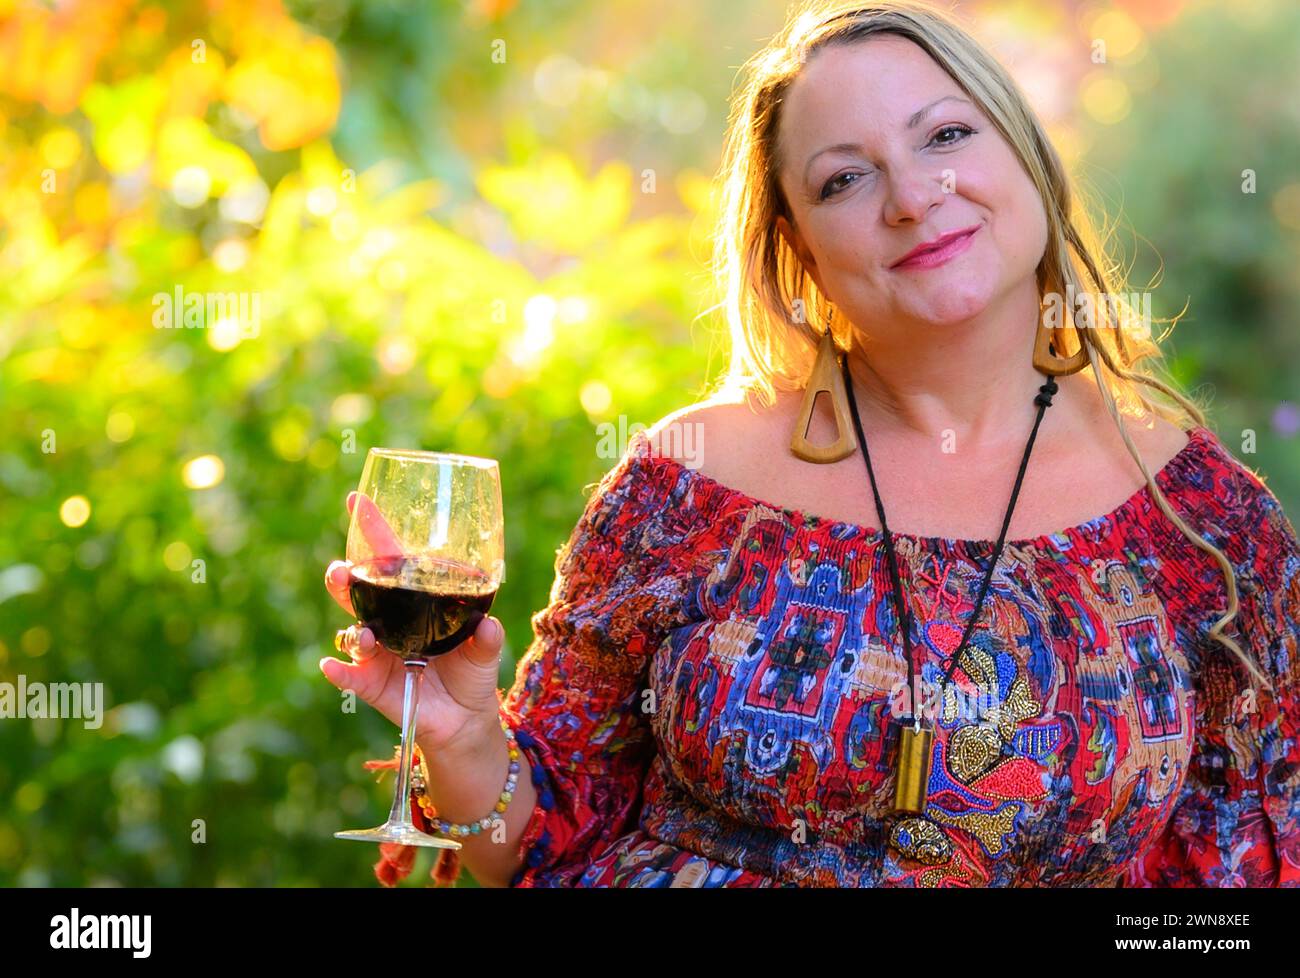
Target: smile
x=935, y=253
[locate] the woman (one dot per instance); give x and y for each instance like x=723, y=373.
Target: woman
x=728, y=690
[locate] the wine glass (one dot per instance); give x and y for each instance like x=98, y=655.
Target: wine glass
x=427, y=548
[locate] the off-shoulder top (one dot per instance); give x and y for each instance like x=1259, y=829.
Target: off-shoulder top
x=706, y=699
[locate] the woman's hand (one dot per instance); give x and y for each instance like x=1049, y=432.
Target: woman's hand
x=458, y=692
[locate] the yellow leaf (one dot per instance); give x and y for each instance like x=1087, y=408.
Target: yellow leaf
x=291, y=87
x=549, y=203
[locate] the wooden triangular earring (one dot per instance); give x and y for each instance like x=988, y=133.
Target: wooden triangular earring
x=1045, y=357
x=825, y=377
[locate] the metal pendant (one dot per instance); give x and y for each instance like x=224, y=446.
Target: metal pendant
x=913, y=774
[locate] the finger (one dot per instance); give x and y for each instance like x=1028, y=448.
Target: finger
x=357, y=641
x=484, y=646
x=338, y=577
x=379, y=535
x=364, y=645
x=372, y=680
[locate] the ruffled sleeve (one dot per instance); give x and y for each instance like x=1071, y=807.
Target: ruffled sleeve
x=579, y=704
x=1234, y=823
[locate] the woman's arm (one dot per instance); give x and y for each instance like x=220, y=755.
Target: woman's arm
x=465, y=784
x=1236, y=821
x=576, y=706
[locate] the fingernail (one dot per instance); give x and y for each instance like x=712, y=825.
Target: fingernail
x=491, y=629
x=352, y=498
x=366, y=639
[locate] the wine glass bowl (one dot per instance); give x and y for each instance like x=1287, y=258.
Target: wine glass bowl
x=420, y=607
x=427, y=549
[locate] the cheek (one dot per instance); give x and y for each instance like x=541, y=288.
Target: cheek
x=998, y=183
x=852, y=259
x=1022, y=231
x=1032, y=240
x=1018, y=226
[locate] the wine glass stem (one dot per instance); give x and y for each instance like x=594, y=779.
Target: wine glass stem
x=401, y=813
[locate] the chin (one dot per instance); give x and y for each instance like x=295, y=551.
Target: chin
x=952, y=308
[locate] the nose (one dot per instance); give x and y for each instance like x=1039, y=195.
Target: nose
x=912, y=193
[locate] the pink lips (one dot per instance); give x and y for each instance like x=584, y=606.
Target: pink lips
x=942, y=249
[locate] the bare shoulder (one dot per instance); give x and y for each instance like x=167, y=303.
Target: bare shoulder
x=722, y=437
x=1091, y=437
x=1158, y=440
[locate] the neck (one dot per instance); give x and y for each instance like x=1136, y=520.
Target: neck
x=976, y=379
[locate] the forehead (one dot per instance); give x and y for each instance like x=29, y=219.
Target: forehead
x=878, y=81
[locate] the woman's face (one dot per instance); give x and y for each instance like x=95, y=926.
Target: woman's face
x=924, y=162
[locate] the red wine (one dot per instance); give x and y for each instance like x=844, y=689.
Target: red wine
x=420, y=606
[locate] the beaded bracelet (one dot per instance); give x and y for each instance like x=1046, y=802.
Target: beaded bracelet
x=420, y=791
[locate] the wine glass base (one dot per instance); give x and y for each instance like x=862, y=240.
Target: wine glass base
x=405, y=835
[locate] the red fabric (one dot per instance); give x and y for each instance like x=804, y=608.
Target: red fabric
x=706, y=700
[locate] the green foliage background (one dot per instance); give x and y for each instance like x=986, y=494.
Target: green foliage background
x=407, y=322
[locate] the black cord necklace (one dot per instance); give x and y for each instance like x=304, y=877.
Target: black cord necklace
x=913, y=766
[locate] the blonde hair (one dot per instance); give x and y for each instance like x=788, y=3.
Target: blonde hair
x=761, y=280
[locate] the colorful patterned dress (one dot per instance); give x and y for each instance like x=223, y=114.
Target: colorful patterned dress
x=706, y=701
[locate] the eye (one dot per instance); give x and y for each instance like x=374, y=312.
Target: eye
x=833, y=186
x=956, y=133
x=949, y=135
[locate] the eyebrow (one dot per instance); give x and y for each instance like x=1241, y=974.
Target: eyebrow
x=912, y=121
